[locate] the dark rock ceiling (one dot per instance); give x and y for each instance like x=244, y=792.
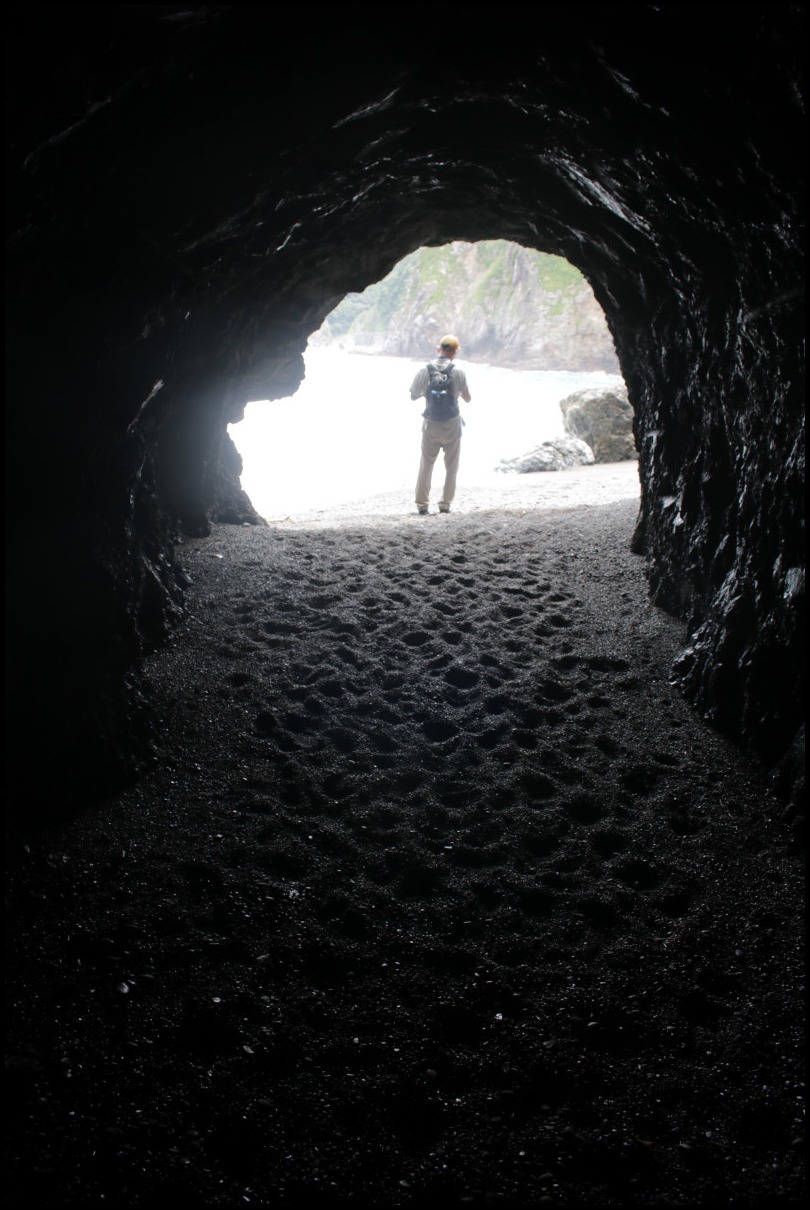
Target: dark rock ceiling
x=190, y=191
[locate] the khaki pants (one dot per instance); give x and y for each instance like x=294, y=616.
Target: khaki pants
x=439, y=435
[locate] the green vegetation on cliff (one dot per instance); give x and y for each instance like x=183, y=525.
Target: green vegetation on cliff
x=507, y=304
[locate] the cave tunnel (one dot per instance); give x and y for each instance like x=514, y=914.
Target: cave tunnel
x=269, y=984
x=188, y=198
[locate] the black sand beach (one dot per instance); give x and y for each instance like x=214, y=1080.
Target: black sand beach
x=438, y=894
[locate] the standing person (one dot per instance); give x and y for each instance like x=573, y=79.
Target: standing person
x=441, y=384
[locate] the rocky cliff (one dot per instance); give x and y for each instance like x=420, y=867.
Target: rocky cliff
x=509, y=305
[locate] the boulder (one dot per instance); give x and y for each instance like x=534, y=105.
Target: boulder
x=557, y=455
x=603, y=419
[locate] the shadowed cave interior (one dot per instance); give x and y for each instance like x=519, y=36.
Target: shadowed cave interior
x=189, y=195
x=183, y=214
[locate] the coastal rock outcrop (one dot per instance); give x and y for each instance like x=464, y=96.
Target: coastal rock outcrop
x=512, y=306
x=603, y=419
x=556, y=455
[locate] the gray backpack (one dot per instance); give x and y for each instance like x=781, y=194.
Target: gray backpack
x=442, y=403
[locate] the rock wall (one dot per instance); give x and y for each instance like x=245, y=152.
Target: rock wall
x=188, y=199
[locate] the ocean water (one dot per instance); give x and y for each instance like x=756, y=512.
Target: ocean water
x=352, y=430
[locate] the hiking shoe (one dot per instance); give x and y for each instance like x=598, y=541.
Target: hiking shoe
x=444, y=508
x=422, y=509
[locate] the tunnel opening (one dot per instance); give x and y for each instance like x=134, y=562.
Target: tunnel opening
x=574, y=974
x=532, y=336
x=278, y=199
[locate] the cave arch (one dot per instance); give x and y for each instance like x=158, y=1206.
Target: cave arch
x=532, y=333
x=181, y=218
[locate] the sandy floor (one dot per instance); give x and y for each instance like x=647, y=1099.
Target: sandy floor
x=579, y=487
x=437, y=895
